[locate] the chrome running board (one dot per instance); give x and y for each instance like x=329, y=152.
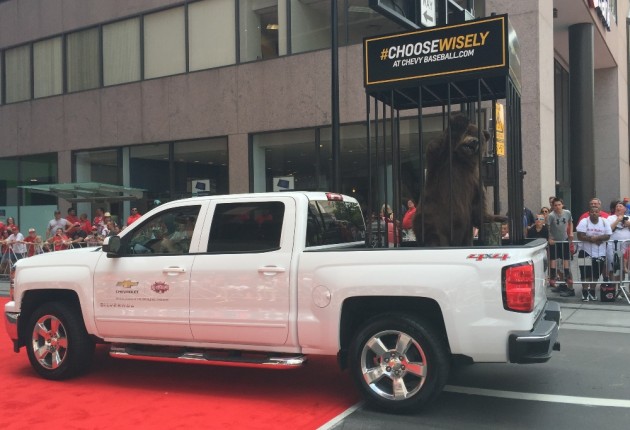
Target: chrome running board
x=207, y=356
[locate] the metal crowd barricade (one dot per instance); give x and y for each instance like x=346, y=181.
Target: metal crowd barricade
x=612, y=268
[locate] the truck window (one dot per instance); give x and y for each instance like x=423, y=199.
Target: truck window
x=168, y=232
x=246, y=227
x=334, y=222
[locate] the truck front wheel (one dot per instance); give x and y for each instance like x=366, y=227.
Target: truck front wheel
x=58, y=346
x=400, y=363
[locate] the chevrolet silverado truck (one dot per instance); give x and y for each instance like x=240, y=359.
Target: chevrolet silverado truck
x=268, y=279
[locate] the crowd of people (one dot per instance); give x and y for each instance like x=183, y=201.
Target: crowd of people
x=602, y=246
x=61, y=233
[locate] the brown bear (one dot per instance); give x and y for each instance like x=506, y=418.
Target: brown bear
x=468, y=197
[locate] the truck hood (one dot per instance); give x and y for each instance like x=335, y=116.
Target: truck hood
x=67, y=257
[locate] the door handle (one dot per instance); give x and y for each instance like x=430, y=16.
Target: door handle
x=271, y=270
x=173, y=270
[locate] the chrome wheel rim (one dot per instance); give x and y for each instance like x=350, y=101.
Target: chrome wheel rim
x=393, y=365
x=49, y=342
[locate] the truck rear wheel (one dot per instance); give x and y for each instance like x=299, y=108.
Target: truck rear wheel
x=400, y=363
x=58, y=346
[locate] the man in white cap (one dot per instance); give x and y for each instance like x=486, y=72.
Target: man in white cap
x=33, y=243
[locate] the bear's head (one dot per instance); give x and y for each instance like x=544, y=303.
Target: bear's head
x=466, y=141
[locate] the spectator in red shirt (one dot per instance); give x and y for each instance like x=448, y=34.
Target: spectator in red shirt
x=72, y=216
x=134, y=216
x=85, y=223
x=60, y=241
x=33, y=243
x=407, y=222
x=10, y=224
x=98, y=219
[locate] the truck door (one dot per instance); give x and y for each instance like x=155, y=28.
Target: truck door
x=240, y=287
x=145, y=292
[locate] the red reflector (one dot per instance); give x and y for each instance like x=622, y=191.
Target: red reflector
x=518, y=288
x=334, y=196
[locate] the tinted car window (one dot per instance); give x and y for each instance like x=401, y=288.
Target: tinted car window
x=246, y=227
x=168, y=232
x=334, y=222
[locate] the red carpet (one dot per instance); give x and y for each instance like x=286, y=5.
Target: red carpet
x=121, y=394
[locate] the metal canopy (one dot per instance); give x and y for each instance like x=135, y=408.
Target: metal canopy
x=87, y=191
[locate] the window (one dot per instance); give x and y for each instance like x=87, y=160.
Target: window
x=83, y=60
x=121, y=52
x=310, y=25
x=200, y=167
x=169, y=232
x=164, y=46
x=285, y=154
x=149, y=169
x=246, y=227
x=263, y=31
x=211, y=34
x=98, y=166
x=29, y=208
x=47, y=68
x=18, y=73
x=334, y=222
x=361, y=21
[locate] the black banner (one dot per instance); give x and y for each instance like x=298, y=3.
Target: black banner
x=469, y=47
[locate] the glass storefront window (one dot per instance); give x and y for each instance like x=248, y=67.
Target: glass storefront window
x=8, y=184
x=303, y=159
x=164, y=45
x=121, y=52
x=286, y=160
x=263, y=32
x=28, y=208
x=102, y=166
x=200, y=167
x=149, y=169
x=98, y=166
x=47, y=67
x=211, y=21
x=18, y=73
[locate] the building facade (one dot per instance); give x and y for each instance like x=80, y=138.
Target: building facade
x=228, y=96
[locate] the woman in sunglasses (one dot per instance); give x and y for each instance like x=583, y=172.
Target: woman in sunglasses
x=539, y=229
x=544, y=211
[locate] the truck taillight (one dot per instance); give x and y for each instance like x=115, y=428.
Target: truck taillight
x=519, y=287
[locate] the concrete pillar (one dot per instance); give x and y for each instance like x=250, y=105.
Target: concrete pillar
x=238, y=163
x=581, y=114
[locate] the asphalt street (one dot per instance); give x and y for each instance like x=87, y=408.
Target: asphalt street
x=586, y=385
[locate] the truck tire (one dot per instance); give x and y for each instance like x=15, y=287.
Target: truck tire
x=58, y=345
x=399, y=363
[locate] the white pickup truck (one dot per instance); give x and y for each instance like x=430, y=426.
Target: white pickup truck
x=265, y=279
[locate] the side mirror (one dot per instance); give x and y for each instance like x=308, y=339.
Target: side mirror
x=111, y=245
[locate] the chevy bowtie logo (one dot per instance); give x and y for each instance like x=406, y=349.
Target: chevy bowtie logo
x=126, y=283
